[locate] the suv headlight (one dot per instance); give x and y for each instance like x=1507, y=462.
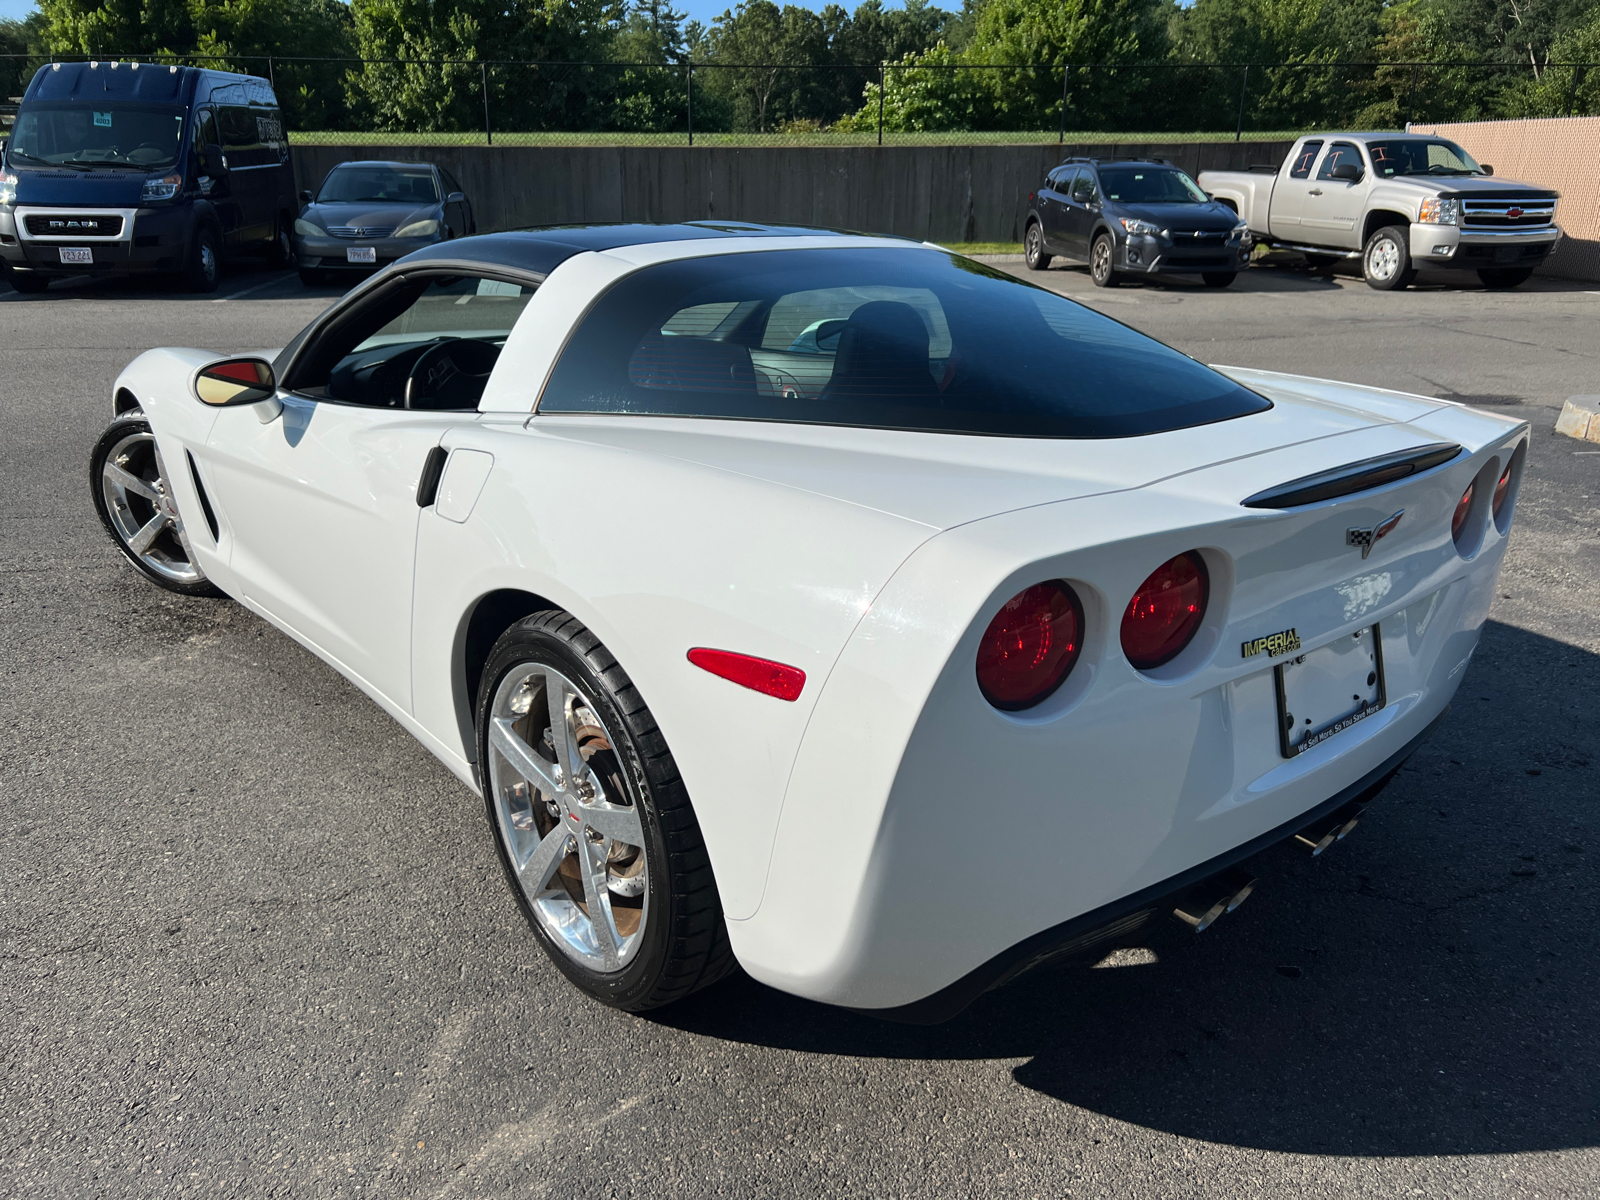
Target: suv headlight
x=164, y=188
x=8, y=188
x=1239, y=230
x=418, y=229
x=1437, y=210
x=1141, y=227
x=306, y=229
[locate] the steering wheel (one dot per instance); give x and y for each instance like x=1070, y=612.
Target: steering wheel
x=451, y=374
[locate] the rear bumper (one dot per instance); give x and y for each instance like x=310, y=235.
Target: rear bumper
x=151, y=239
x=1467, y=249
x=1112, y=921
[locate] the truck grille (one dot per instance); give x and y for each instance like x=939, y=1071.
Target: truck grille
x=360, y=231
x=1507, y=214
x=47, y=225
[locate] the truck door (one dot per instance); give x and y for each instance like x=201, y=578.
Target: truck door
x=1334, y=206
x=215, y=188
x=1289, y=191
x=253, y=169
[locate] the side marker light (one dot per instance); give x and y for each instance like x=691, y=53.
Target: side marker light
x=758, y=674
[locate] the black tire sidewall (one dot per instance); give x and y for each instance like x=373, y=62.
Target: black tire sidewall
x=1110, y=277
x=194, y=277
x=632, y=986
x=1218, y=279
x=1036, y=259
x=28, y=283
x=133, y=422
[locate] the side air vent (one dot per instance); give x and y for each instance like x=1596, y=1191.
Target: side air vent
x=205, y=500
x=1354, y=477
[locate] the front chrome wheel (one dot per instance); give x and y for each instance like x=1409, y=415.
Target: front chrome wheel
x=141, y=511
x=571, y=830
x=1383, y=260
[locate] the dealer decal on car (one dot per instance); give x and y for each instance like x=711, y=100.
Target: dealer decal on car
x=1273, y=644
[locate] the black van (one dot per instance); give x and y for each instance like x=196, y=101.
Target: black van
x=117, y=167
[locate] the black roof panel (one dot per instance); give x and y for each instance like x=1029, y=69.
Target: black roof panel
x=543, y=249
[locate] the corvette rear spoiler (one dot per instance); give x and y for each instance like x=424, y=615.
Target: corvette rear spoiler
x=1354, y=477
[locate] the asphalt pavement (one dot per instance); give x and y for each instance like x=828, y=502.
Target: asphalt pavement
x=254, y=941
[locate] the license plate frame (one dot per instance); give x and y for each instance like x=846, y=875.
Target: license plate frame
x=1327, y=672
x=77, y=256
x=361, y=254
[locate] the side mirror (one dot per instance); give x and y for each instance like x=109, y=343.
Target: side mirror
x=1348, y=172
x=238, y=381
x=1486, y=168
x=212, y=161
x=305, y=196
x=456, y=198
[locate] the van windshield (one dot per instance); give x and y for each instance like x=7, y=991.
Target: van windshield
x=111, y=133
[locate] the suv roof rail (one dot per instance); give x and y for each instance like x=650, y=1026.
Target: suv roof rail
x=1117, y=158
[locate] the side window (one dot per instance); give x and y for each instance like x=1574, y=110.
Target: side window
x=1084, y=189
x=1303, y=160
x=426, y=342
x=205, y=132
x=1340, y=154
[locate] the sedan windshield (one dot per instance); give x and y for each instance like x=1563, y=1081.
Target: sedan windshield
x=401, y=185
x=109, y=133
x=1416, y=157
x=1150, y=185
x=894, y=339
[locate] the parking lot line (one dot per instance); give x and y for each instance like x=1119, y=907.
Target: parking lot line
x=249, y=290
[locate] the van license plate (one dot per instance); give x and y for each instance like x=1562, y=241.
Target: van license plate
x=73, y=254
x=1329, y=689
x=362, y=254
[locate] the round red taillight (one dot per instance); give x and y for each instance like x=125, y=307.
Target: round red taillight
x=1501, y=490
x=1463, y=507
x=1030, y=646
x=1166, y=611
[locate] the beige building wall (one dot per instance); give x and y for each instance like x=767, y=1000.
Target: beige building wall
x=1554, y=152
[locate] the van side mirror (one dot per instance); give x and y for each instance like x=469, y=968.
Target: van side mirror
x=1486, y=168
x=305, y=196
x=1348, y=172
x=212, y=161
x=234, y=382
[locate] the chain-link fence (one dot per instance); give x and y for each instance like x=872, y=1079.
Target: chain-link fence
x=457, y=102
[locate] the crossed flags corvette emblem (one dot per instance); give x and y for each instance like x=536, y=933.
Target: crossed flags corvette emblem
x=1368, y=538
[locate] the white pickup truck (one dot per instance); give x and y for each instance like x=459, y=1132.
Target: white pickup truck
x=1396, y=201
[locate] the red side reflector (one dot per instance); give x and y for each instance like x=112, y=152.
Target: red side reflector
x=758, y=674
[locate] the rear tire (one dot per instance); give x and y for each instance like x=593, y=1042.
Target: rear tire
x=203, y=269
x=1218, y=279
x=661, y=933
x=1033, y=248
x=1505, y=277
x=1101, y=256
x=29, y=283
x=1386, y=261
x=132, y=495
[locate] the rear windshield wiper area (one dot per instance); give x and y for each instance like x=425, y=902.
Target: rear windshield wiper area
x=1354, y=477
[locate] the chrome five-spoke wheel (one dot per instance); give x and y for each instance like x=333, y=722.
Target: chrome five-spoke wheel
x=573, y=836
x=133, y=495
x=598, y=839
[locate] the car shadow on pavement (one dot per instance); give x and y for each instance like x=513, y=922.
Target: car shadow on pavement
x=1431, y=985
x=242, y=280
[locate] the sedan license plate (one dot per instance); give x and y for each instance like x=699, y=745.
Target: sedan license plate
x=1329, y=689
x=361, y=254
x=77, y=254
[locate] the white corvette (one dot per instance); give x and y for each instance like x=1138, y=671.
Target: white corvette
x=829, y=604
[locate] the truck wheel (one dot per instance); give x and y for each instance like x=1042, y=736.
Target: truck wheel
x=1505, y=277
x=1386, y=262
x=1218, y=279
x=1100, y=259
x=29, y=283
x=203, y=271
x=1033, y=248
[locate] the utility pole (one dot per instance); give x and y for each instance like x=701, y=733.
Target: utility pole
x=488, y=133
x=1066, y=75
x=1238, y=135
x=880, y=104
x=689, y=98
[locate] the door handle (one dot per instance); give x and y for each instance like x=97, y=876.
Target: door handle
x=432, y=471
x=1314, y=192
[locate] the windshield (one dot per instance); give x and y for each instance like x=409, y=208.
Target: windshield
x=898, y=339
x=1150, y=185
x=111, y=133
x=400, y=185
x=1414, y=157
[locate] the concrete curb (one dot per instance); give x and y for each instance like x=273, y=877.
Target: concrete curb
x=1580, y=418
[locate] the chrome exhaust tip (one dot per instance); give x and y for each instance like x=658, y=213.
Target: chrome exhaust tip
x=1334, y=827
x=1208, y=900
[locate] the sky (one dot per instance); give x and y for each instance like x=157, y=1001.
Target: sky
x=17, y=9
